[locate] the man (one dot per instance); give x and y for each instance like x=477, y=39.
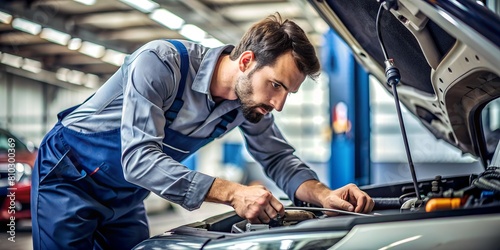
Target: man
x=167, y=100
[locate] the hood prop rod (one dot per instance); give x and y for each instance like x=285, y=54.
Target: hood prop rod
x=393, y=77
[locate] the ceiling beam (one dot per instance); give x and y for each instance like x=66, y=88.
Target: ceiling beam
x=76, y=59
x=38, y=50
x=141, y=34
x=47, y=18
x=98, y=69
x=45, y=77
x=14, y=37
x=215, y=23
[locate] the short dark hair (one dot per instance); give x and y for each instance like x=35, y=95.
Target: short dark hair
x=272, y=37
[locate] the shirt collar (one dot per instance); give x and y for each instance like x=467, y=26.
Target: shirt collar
x=203, y=77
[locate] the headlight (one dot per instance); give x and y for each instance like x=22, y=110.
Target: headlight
x=23, y=172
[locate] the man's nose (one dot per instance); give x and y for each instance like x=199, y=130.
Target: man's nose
x=278, y=102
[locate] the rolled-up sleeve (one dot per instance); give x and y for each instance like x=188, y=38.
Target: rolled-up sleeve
x=269, y=148
x=151, y=84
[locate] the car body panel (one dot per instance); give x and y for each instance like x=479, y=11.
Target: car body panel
x=439, y=233
x=170, y=241
x=441, y=229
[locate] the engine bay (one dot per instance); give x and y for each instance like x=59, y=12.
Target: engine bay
x=441, y=197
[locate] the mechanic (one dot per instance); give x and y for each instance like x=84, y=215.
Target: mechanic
x=168, y=99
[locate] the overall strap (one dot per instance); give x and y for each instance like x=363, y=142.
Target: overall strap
x=172, y=112
x=222, y=126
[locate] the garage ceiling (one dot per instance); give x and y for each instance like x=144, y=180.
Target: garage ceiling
x=82, y=42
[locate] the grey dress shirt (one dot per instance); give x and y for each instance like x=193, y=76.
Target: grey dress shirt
x=135, y=99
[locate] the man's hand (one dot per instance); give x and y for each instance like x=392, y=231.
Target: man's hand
x=254, y=203
x=349, y=197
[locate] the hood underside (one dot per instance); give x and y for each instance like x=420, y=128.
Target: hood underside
x=447, y=52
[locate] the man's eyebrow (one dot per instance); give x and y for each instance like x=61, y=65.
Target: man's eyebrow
x=285, y=87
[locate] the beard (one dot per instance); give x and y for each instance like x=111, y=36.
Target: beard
x=244, y=92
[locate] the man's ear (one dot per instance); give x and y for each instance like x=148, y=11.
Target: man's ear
x=246, y=59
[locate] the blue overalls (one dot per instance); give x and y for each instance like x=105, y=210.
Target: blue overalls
x=80, y=199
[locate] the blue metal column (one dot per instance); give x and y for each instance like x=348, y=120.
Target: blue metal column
x=191, y=161
x=362, y=126
x=350, y=120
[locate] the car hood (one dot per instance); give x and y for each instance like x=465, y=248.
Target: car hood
x=447, y=53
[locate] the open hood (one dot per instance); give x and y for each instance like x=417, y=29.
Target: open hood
x=447, y=53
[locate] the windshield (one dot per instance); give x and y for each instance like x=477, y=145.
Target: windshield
x=491, y=125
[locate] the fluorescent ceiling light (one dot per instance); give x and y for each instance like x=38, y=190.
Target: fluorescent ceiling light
x=167, y=18
x=5, y=18
x=12, y=60
x=26, y=26
x=32, y=65
x=75, y=43
x=55, y=36
x=114, y=57
x=145, y=6
x=192, y=32
x=92, y=49
x=86, y=2
x=211, y=42
x=61, y=74
x=75, y=77
x=91, y=81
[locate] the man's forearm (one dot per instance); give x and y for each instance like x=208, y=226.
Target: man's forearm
x=255, y=203
x=348, y=197
x=312, y=191
x=222, y=191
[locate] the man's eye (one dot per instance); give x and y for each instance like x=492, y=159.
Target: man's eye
x=276, y=85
